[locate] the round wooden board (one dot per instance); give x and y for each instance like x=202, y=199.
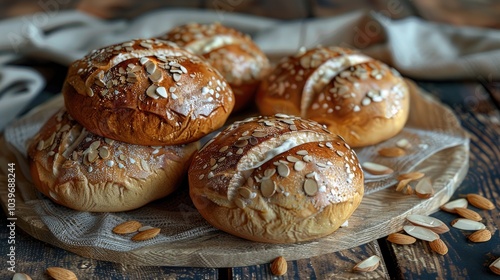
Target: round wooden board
x=379, y=214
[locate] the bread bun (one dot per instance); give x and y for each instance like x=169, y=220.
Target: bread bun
x=233, y=53
x=276, y=179
x=86, y=172
x=147, y=92
x=355, y=96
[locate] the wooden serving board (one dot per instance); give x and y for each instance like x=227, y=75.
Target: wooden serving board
x=380, y=213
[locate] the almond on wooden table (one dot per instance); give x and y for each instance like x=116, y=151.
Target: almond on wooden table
x=468, y=214
x=481, y=235
x=480, y=201
x=451, y=206
x=428, y=222
x=368, y=264
x=21, y=276
x=495, y=266
x=401, y=239
x=467, y=224
x=439, y=246
x=59, y=273
x=279, y=266
x=376, y=169
x=411, y=175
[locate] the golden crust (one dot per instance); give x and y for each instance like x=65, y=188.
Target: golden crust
x=147, y=92
x=87, y=172
x=276, y=179
x=353, y=95
x=232, y=53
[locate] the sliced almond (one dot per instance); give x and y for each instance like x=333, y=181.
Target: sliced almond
x=439, y=246
x=146, y=235
x=481, y=235
x=452, y=205
x=421, y=233
x=480, y=202
x=21, y=276
x=411, y=175
x=376, y=169
x=279, y=266
x=401, y=239
x=369, y=264
x=403, y=143
x=127, y=227
x=428, y=222
x=402, y=184
x=495, y=266
x=59, y=273
x=467, y=224
x=424, y=188
x=391, y=152
x=409, y=190
x=469, y=214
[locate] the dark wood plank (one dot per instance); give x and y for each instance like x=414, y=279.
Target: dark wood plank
x=330, y=266
x=280, y=9
x=33, y=257
x=494, y=91
x=465, y=260
x=390, y=8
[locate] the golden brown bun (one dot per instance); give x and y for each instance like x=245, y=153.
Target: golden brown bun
x=86, y=172
x=147, y=92
x=276, y=179
x=355, y=96
x=231, y=52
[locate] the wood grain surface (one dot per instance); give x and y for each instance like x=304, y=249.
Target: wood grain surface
x=379, y=214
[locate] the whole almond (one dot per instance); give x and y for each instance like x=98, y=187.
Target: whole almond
x=439, y=246
x=480, y=202
x=411, y=175
x=468, y=214
x=481, y=235
x=368, y=264
x=279, y=266
x=401, y=239
x=146, y=234
x=391, y=152
x=59, y=273
x=127, y=227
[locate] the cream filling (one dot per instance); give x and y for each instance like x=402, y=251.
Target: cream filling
x=209, y=44
x=325, y=73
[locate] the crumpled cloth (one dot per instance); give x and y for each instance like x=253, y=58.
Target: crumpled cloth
x=418, y=49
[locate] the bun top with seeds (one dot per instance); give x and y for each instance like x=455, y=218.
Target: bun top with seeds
x=355, y=96
x=233, y=53
x=277, y=179
x=87, y=172
x=148, y=92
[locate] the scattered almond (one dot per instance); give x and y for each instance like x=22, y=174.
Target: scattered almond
x=146, y=234
x=452, y=205
x=495, y=266
x=411, y=175
x=391, y=152
x=439, y=246
x=369, y=264
x=421, y=233
x=376, y=169
x=424, y=188
x=402, y=184
x=468, y=214
x=403, y=143
x=467, y=224
x=428, y=222
x=21, y=276
x=127, y=227
x=480, y=202
x=279, y=266
x=59, y=273
x=401, y=239
x=409, y=190
x=481, y=235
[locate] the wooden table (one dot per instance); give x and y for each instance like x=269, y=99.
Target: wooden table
x=476, y=103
